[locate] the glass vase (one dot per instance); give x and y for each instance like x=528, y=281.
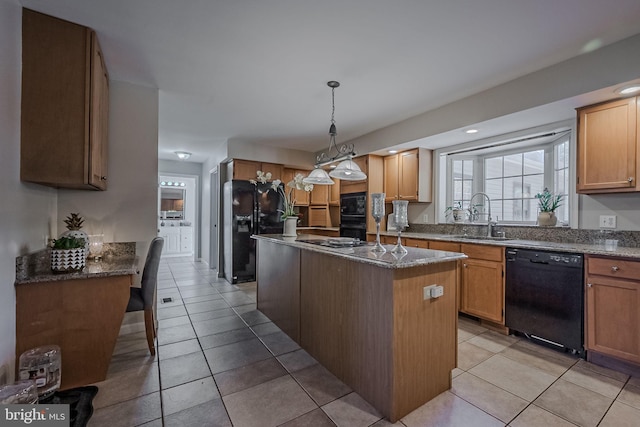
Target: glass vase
x=377, y=211
x=401, y=218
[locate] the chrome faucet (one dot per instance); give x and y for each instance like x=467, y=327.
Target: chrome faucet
x=490, y=222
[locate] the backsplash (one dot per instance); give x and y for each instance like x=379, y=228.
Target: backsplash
x=629, y=239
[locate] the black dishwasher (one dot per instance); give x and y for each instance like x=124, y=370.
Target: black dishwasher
x=544, y=297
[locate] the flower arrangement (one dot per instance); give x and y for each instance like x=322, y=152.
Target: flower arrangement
x=287, y=196
x=547, y=201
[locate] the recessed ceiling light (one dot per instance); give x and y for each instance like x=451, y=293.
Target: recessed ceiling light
x=471, y=131
x=626, y=90
x=393, y=151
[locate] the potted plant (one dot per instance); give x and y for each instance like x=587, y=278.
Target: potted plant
x=455, y=211
x=289, y=215
x=74, y=229
x=547, y=204
x=68, y=254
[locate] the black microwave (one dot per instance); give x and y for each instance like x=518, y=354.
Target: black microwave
x=353, y=205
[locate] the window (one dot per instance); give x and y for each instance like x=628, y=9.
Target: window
x=511, y=174
x=512, y=181
x=462, y=182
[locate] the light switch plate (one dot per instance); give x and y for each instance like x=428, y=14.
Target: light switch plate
x=607, y=221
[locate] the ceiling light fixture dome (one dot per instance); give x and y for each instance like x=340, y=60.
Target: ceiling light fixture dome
x=627, y=90
x=347, y=169
x=182, y=155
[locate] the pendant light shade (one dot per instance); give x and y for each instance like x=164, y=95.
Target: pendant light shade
x=318, y=177
x=348, y=170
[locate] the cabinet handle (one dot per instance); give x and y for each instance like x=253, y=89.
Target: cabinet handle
x=103, y=178
x=615, y=268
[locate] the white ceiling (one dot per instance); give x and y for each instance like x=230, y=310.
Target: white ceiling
x=256, y=70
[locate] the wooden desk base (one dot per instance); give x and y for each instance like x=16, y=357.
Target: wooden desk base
x=81, y=316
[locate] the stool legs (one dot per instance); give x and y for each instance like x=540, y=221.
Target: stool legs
x=150, y=328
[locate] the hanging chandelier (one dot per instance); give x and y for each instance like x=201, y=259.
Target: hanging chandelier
x=347, y=169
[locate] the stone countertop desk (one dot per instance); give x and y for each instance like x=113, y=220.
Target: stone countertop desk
x=119, y=259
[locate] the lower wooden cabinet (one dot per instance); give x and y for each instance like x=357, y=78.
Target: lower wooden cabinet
x=613, y=307
x=482, y=285
x=417, y=243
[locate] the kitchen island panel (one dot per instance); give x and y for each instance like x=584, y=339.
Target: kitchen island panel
x=371, y=327
x=278, y=274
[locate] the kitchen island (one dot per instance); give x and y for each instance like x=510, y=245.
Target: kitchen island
x=364, y=316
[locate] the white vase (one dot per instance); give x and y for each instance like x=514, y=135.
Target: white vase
x=290, y=226
x=547, y=219
x=67, y=260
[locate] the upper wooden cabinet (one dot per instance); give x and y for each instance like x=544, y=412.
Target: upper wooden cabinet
x=407, y=176
x=320, y=195
x=248, y=169
x=301, y=197
x=607, y=147
x=65, y=105
x=334, y=193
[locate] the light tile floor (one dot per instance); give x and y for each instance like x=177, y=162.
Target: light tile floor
x=220, y=362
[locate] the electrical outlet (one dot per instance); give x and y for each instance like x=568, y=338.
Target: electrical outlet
x=432, y=291
x=607, y=221
x=425, y=218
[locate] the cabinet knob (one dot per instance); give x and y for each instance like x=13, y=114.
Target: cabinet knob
x=615, y=268
x=630, y=179
x=589, y=285
x=103, y=178
x=464, y=265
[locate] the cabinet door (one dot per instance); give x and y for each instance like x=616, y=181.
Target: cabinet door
x=320, y=195
x=613, y=317
x=334, y=193
x=301, y=196
x=245, y=169
x=408, y=175
x=482, y=291
x=99, y=117
x=275, y=169
x=607, y=147
x=444, y=246
x=391, y=177
x=317, y=216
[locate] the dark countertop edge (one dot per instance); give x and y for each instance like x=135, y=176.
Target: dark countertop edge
x=583, y=248
x=319, y=228
x=126, y=266
x=338, y=252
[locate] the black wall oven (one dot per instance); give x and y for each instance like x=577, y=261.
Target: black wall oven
x=353, y=215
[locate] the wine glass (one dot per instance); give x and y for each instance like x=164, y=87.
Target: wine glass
x=377, y=211
x=401, y=218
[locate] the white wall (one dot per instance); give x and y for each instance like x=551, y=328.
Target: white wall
x=28, y=211
x=217, y=155
x=263, y=153
x=127, y=211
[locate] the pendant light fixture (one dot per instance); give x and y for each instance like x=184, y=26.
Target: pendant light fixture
x=347, y=170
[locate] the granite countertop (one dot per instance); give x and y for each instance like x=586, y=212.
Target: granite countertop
x=119, y=259
x=583, y=248
x=363, y=254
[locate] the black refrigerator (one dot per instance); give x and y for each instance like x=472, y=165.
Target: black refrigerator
x=248, y=209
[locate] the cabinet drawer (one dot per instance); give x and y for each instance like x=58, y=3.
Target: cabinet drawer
x=614, y=267
x=417, y=243
x=444, y=246
x=489, y=253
